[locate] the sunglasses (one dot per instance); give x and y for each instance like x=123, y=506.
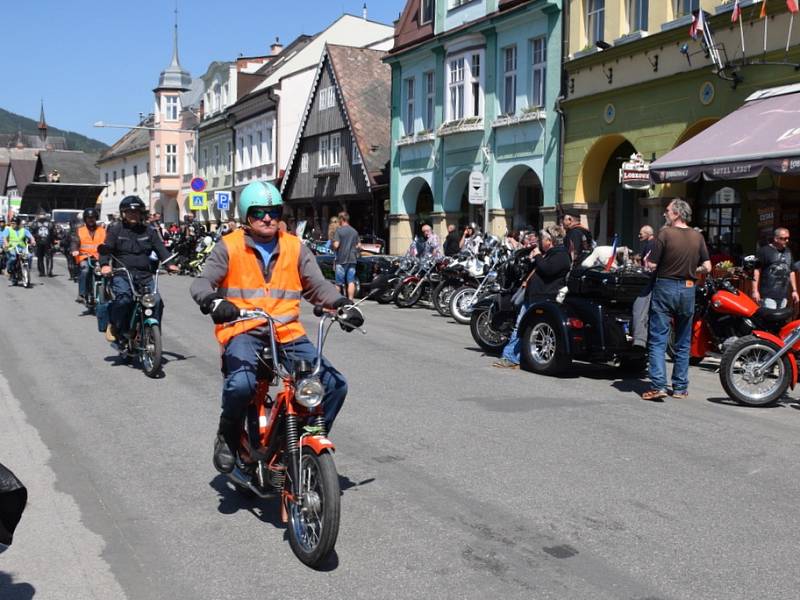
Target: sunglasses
x=260, y=213
x=785, y=239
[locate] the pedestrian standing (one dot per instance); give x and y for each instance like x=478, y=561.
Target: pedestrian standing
x=641, y=306
x=678, y=252
x=430, y=245
x=578, y=239
x=346, y=244
x=775, y=276
x=451, y=242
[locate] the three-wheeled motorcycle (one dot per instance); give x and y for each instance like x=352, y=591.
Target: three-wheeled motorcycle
x=593, y=323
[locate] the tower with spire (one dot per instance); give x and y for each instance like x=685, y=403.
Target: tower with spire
x=42, y=124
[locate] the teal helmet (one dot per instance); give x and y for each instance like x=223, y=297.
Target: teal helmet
x=258, y=193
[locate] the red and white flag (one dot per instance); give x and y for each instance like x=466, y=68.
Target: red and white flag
x=792, y=6
x=737, y=11
x=698, y=25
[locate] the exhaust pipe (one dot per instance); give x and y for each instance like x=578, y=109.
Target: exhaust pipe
x=238, y=478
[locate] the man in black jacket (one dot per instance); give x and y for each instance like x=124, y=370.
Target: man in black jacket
x=45, y=234
x=130, y=242
x=551, y=265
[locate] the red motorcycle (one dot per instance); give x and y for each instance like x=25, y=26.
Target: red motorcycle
x=757, y=369
x=723, y=314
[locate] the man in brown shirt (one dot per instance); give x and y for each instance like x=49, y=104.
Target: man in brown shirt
x=679, y=251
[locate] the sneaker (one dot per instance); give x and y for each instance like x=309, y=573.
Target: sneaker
x=680, y=394
x=504, y=363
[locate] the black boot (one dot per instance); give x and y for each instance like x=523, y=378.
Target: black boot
x=226, y=444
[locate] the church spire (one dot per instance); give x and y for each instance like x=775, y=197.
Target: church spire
x=175, y=62
x=42, y=123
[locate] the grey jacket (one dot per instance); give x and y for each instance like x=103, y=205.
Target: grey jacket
x=316, y=289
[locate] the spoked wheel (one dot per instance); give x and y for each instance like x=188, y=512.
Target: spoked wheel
x=314, y=521
x=441, y=297
x=488, y=338
x=542, y=350
x=461, y=303
x=740, y=376
x=406, y=296
x=151, y=350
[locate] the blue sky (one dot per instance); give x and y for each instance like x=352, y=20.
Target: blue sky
x=93, y=60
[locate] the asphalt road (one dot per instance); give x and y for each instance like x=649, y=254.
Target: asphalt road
x=459, y=480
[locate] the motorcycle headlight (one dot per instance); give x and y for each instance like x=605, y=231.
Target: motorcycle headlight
x=309, y=392
x=149, y=300
x=491, y=276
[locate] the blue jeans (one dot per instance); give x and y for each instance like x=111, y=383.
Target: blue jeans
x=671, y=305
x=240, y=365
x=345, y=274
x=83, y=279
x=511, y=351
x=122, y=305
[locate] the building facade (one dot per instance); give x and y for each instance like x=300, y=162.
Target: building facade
x=474, y=95
x=637, y=83
x=340, y=159
x=125, y=169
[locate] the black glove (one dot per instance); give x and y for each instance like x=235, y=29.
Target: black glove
x=223, y=311
x=341, y=302
x=350, y=318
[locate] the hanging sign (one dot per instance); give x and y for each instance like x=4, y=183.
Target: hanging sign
x=477, y=188
x=635, y=173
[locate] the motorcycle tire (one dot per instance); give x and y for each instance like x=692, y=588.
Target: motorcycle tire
x=151, y=350
x=542, y=348
x=441, y=297
x=405, y=296
x=458, y=311
x=480, y=326
x=752, y=350
x=313, y=533
x=25, y=276
x=387, y=295
x=693, y=360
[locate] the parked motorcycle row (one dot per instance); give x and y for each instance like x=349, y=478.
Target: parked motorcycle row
x=192, y=250
x=759, y=348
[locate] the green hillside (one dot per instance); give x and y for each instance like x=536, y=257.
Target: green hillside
x=11, y=123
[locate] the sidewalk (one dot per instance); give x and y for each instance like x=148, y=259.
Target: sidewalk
x=53, y=556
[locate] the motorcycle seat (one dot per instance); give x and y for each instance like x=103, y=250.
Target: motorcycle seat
x=774, y=315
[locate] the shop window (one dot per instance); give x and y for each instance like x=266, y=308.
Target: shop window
x=721, y=221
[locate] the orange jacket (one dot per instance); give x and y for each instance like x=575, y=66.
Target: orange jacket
x=244, y=285
x=89, y=242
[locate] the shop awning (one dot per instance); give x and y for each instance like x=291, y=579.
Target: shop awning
x=764, y=133
x=47, y=196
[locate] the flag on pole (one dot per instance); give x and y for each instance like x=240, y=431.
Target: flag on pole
x=737, y=11
x=792, y=6
x=612, y=259
x=763, y=9
x=698, y=24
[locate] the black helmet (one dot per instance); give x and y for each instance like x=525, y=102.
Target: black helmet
x=90, y=212
x=17, y=220
x=132, y=203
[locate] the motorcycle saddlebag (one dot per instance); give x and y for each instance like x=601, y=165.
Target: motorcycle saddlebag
x=13, y=497
x=601, y=285
x=103, y=312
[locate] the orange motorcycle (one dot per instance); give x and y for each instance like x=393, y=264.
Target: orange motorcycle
x=284, y=450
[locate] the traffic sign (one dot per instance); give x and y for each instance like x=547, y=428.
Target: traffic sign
x=223, y=200
x=198, y=201
x=198, y=184
x=477, y=188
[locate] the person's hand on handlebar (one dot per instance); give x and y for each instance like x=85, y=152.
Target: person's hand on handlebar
x=350, y=318
x=221, y=310
x=105, y=270
x=173, y=268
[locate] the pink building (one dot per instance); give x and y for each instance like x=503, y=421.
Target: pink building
x=173, y=139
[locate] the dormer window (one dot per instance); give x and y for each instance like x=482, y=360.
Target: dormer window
x=426, y=11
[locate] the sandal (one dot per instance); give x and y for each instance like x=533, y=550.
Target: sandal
x=654, y=395
x=680, y=394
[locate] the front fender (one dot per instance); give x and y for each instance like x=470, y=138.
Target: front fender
x=410, y=279
x=318, y=444
x=763, y=335
x=486, y=302
x=557, y=317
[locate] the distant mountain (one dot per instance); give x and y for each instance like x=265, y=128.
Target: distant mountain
x=12, y=123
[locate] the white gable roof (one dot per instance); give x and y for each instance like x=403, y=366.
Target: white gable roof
x=347, y=30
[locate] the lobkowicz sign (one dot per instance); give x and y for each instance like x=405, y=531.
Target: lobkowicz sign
x=635, y=173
